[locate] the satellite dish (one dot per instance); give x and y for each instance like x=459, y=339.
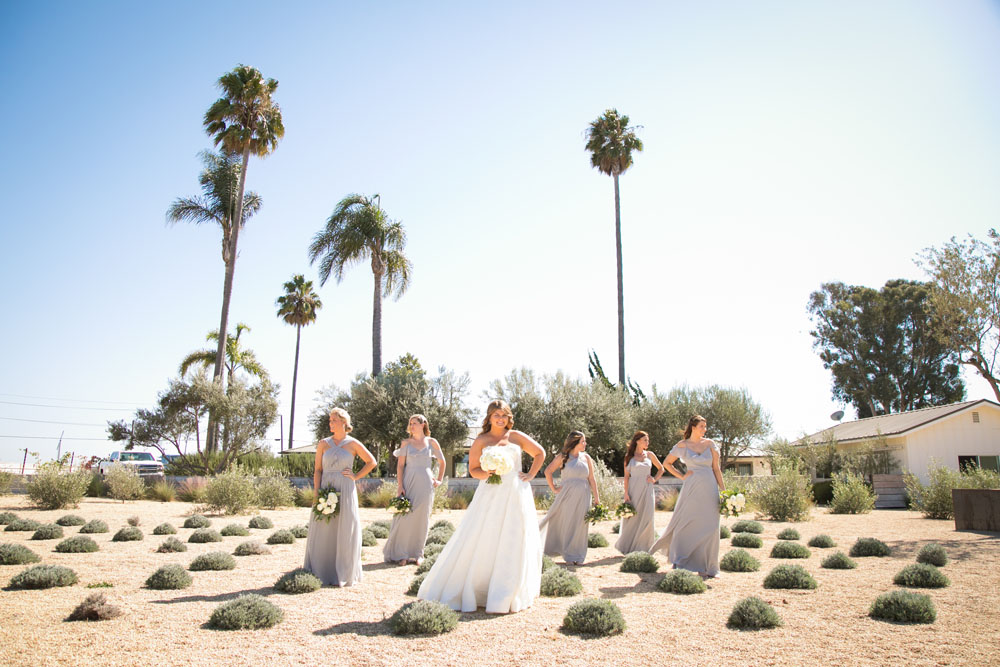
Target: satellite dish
x=837, y=416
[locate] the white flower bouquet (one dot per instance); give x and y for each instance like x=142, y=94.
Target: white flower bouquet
x=625, y=511
x=731, y=502
x=497, y=462
x=400, y=505
x=327, y=504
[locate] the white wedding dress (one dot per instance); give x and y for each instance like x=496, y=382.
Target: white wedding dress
x=494, y=559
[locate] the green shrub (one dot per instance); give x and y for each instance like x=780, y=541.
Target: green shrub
x=822, y=542
x=251, y=548
x=163, y=491
x=95, y=608
x=789, y=576
x=49, y=531
x=197, y=521
x=921, y=575
x=261, y=523
x=94, y=526
x=666, y=502
x=286, y=537
x=305, y=496
x=379, y=531
x=738, y=560
x=851, y=495
x=789, y=534
x=231, y=492
x=547, y=563
x=639, y=561
x=169, y=578
x=432, y=549
x=752, y=613
x=171, y=545
x=70, y=520
x=128, y=534
x=297, y=582
x=933, y=554
x=380, y=496
x=6, y=518
x=724, y=532
x=192, y=490
x=439, y=535
x=427, y=564
x=786, y=496
x=234, y=530
x=616, y=528
x=96, y=488
x=43, y=576
x=682, y=582
x=133, y=520
x=100, y=584
x=124, y=483
x=423, y=617
x=610, y=490
x=78, y=544
x=440, y=500
x=594, y=617
x=838, y=561
x=903, y=607
x=460, y=499
x=274, y=490
x=444, y=523
x=300, y=532
x=747, y=526
x=215, y=560
x=247, y=612
x=822, y=492
x=559, y=582
x=596, y=541
x=204, y=535
x=415, y=584
x=747, y=540
x=164, y=529
x=22, y=526
x=51, y=489
x=385, y=523
x=869, y=546
x=544, y=501
x=17, y=554
x=790, y=550
x=933, y=500
x=367, y=538
x=6, y=482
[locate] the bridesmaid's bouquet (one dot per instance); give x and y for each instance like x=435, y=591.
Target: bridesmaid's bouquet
x=400, y=505
x=497, y=462
x=625, y=511
x=596, y=513
x=731, y=502
x=327, y=504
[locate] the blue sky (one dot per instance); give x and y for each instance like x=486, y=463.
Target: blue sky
x=787, y=144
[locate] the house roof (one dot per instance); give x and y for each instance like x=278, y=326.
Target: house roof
x=894, y=424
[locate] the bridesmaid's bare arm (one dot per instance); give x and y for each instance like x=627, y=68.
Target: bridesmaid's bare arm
x=362, y=453
x=550, y=470
x=716, y=469
x=532, y=449
x=668, y=464
x=593, y=480
x=400, y=468
x=659, y=466
x=626, y=483
x=439, y=455
x=318, y=466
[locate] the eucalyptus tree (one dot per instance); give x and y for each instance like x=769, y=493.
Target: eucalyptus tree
x=611, y=142
x=237, y=357
x=359, y=230
x=297, y=306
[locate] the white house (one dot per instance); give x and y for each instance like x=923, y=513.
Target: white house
x=953, y=435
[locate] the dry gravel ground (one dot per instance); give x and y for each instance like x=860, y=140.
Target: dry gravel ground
x=347, y=626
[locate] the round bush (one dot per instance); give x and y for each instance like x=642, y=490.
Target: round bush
x=432, y=550
x=95, y=608
x=204, y=535
x=747, y=540
x=415, y=584
x=6, y=518
x=933, y=554
x=300, y=532
x=43, y=576
x=681, y=582
x=423, y=617
x=547, y=563
x=789, y=534
x=851, y=495
x=746, y=526
x=869, y=547
x=822, y=542
x=78, y=544
x=367, y=538
x=789, y=576
x=427, y=564
x=596, y=541
x=921, y=575
x=790, y=550
x=128, y=534
x=379, y=531
x=639, y=561
x=617, y=528
x=197, y=521
x=558, y=582
x=752, y=613
x=439, y=535
x=171, y=545
x=298, y=581
x=738, y=560
x=49, y=531
x=247, y=612
x=261, y=523
x=52, y=489
x=234, y=530
x=164, y=529
x=124, y=483
x=444, y=523
x=133, y=521
x=94, y=526
x=384, y=523
x=724, y=532
x=70, y=520
x=838, y=561
x=231, y=492
x=903, y=607
x=274, y=489
x=17, y=554
x=169, y=578
x=22, y=525
x=215, y=560
x=594, y=617
x=251, y=548
x=283, y=537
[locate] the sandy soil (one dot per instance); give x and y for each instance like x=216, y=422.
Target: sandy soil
x=347, y=626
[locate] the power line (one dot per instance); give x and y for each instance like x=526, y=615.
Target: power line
x=54, y=437
x=69, y=400
x=63, y=407
x=43, y=421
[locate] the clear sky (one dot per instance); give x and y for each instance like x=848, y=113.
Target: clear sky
x=786, y=144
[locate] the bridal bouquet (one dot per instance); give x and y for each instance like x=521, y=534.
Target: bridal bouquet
x=327, y=504
x=731, y=502
x=497, y=462
x=400, y=505
x=596, y=513
x=625, y=511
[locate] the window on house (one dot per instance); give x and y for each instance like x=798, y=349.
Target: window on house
x=984, y=462
x=744, y=469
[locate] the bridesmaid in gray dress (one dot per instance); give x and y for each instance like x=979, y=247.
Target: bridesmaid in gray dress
x=691, y=540
x=637, y=531
x=414, y=460
x=333, y=548
x=564, y=527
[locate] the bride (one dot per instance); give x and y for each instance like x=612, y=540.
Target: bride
x=494, y=559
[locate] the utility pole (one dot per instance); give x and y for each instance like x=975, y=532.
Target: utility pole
x=59, y=446
x=281, y=447
x=25, y=461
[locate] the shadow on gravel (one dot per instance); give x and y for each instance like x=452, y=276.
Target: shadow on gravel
x=364, y=628
x=221, y=597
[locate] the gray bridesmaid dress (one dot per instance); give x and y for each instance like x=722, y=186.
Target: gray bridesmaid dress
x=637, y=532
x=409, y=531
x=333, y=549
x=564, y=526
x=691, y=540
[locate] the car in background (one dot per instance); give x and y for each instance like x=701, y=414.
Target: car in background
x=141, y=462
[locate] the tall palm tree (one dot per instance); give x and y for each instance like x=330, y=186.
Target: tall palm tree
x=237, y=358
x=359, y=229
x=297, y=306
x=611, y=141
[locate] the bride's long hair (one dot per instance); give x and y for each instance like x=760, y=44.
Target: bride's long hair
x=501, y=405
x=572, y=440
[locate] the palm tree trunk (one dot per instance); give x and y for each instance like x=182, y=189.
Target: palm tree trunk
x=295, y=379
x=621, y=289
x=377, y=327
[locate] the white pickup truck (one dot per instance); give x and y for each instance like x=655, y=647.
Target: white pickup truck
x=142, y=462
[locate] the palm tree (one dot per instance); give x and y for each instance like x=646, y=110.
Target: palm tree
x=358, y=229
x=611, y=141
x=297, y=306
x=237, y=358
